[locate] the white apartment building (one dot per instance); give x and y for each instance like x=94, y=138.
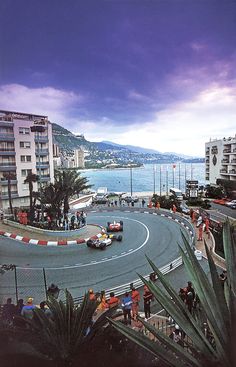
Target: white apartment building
x=79, y=158
x=23, y=150
x=220, y=160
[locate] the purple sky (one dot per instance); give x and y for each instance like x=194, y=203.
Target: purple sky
x=154, y=73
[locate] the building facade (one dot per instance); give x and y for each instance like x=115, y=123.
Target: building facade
x=220, y=160
x=25, y=147
x=79, y=158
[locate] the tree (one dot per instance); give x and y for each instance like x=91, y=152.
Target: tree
x=218, y=305
x=69, y=183
x=31, y=177
x=53, y=195
x=61, y=336
x=9, y=176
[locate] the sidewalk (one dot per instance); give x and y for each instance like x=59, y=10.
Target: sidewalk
x=211, y=246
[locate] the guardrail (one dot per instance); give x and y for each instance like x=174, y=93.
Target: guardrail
x=137, y=283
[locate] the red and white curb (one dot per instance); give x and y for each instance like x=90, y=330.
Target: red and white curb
x=28, y=241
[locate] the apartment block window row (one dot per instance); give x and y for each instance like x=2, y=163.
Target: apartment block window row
x=25, y=172
x=25, y=144
x=24, y=130
x=25, y=158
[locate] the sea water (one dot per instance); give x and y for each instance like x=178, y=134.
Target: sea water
x=149, y=178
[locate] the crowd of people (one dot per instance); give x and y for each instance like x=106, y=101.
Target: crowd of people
x=64, y=222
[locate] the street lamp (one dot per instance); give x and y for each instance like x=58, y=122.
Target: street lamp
x=39, y=129
x=154, y=179
x=131, y=181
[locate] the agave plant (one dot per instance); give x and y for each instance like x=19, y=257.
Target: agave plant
x=218, y=304
x=61, y=336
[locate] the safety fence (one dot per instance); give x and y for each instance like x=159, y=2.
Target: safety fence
x=25, y=282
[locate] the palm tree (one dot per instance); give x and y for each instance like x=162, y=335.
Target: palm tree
x=31, y=177
x=69, y=182
x=219, y=313
x=61, y=336
x=52, y=195
x=9, y=176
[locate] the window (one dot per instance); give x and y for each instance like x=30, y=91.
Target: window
x=25, y=172
x=24, y=130
x=25, y=158
x=24, y=144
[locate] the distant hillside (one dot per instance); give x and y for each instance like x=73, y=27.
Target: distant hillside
x=108, y=152
x=133, y=148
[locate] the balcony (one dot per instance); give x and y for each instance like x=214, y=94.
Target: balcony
x=41, y=152
x=41, y=139
x=9, y=152
x=207, y=151
x=14, y=194
x=207, y=161
x=4, y=181
x=232, y=172
x=7, y=136
x=233, y=161
x=42, y=165
x=223, y=170
x=227, y=151
x=45, y=178
x=224, y=161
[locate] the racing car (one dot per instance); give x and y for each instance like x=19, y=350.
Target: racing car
x=115, y=226
x=104, y=241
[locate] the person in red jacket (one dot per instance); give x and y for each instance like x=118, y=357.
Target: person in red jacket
x=135, y=302
x=113, y=301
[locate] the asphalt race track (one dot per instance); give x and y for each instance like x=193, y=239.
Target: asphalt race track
x=79, y=268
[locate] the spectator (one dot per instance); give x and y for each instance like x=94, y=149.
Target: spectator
x=143, y=203
x=189, y=288
x=8, y=312
x=92, y=296
x=113, y=301
x=72, y=222
x=28, y=310
x=153, y=277
x=19, y=306
x=176, y=335
x=66, y=223
x=83, y=218
x=158, y=205
x=102, y=299
x=207, y=224
x=200, y=231
x=147, y=298
x=126, y=305
x=135, y=302
x=223, y=277
x=174, y=209
x=78, y=218
x=45, y=309
x=182, y=294
x=53, y=291
x=49, y=220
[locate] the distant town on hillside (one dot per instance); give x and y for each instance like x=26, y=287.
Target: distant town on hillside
x=111, y=155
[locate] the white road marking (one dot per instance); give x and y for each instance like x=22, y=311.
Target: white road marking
x=123, y=253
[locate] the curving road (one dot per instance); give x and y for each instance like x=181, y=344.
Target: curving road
x=78, y=267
